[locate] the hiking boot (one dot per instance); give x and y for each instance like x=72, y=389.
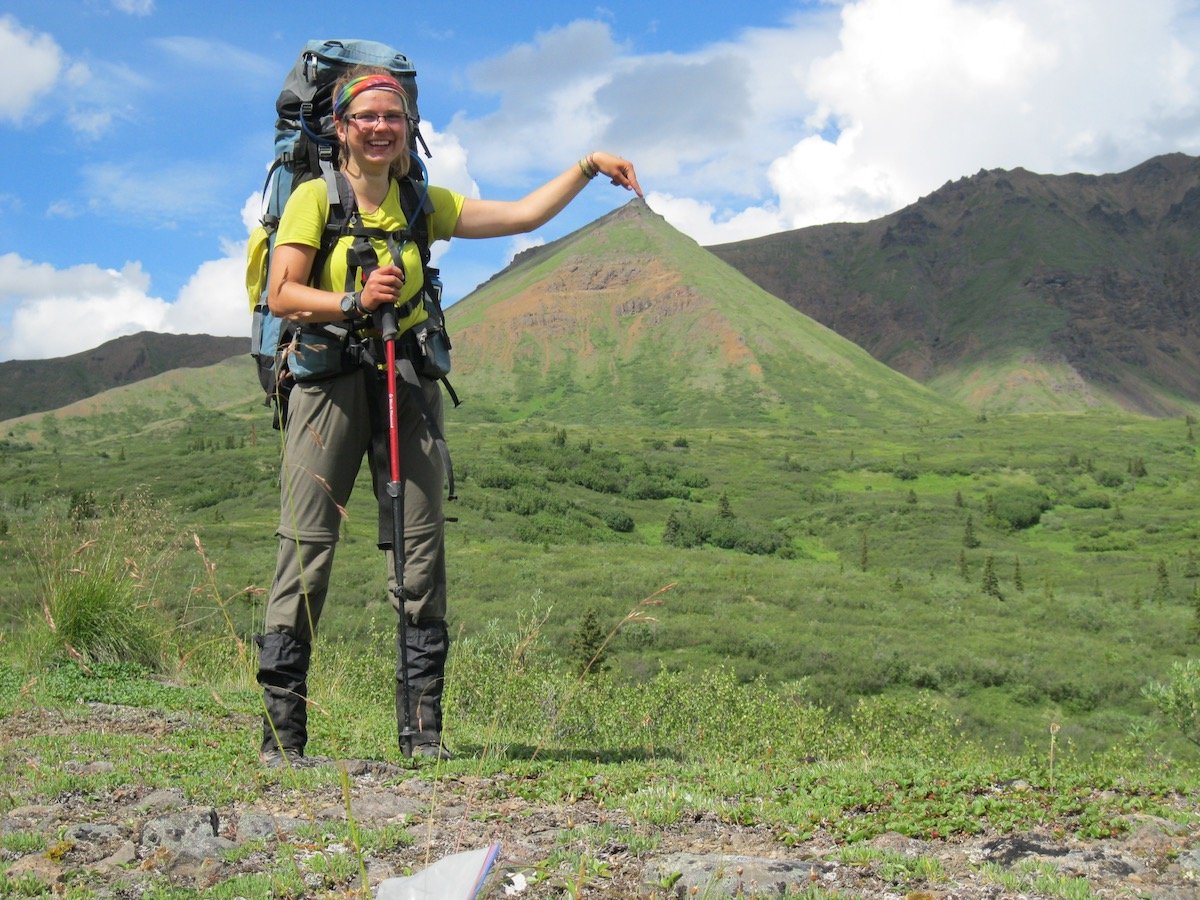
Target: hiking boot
x=433, y=750
x=282, y=759
x=291, y=759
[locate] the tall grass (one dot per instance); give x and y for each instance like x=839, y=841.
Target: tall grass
x=97, y=583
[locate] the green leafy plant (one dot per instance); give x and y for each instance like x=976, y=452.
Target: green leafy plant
x=1178, y=698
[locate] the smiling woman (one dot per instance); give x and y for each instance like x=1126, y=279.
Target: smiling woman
x=369, y=290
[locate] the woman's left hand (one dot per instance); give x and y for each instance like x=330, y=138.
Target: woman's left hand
x=619, y=170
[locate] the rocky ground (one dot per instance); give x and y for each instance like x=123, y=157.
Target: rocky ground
x=130, y=841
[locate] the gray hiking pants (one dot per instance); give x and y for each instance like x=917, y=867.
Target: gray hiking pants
x=332, y=424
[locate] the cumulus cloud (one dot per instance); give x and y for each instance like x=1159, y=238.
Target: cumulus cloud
x=214, y=299
x=82, y=306
x=848, y=111
x=33, y=61
x=97, y=96
x=706, y=224
x=85, y=305
x=547, y=102
x=448, y=165
x=923, y=92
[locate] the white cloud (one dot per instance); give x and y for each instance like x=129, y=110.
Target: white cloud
x=200, y=53
x=185, y=192
x=214, y=299
x=134, y=7
x=520, y=244
x=930, y=90
x=252, y=211
x=33, y=62
x=823, y=181
x=851, y=110
x=448, y=164
x=704, y=224
x=547, y=109
x=94, y=99
x=83, y=306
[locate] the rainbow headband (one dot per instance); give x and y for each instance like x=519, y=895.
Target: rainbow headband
x=363, y=84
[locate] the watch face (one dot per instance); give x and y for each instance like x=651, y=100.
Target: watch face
x=348, y=303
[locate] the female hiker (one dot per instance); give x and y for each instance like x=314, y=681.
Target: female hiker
x=339, y=414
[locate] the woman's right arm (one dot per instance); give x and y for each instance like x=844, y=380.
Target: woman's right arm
x=290, y=296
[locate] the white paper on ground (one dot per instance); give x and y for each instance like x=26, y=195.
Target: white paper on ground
x=457, y=877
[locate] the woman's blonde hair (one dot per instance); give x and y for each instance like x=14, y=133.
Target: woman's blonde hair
x=400, y=165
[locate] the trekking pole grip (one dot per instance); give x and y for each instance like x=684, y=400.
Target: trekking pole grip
x=385, y=321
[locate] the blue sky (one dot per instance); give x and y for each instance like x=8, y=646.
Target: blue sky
x=136, y=133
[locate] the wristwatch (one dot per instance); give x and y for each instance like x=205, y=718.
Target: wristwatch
x=352, y=306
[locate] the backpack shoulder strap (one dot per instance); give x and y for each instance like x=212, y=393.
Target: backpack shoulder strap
x=342, y=219
x=417, y=207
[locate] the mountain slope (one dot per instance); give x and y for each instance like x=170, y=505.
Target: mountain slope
x=36, y=385
x=1013, y=291
x=630, y=321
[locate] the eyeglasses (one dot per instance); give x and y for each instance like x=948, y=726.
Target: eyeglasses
x=370, y=119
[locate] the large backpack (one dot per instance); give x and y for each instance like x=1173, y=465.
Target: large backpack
x=306, y=147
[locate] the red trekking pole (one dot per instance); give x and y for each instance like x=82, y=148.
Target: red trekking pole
x=395, y=490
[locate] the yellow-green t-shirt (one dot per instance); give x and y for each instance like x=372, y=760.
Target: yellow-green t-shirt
x=303, y=222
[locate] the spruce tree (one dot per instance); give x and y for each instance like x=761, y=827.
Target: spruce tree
x=1162, y=582
x=991, y=582
x=969, y=540
x=587, y=646
x=1191, y=568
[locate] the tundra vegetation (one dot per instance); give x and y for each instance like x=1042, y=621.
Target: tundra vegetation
x=846, y=630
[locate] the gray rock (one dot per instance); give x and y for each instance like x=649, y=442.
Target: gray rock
x=720, y=875
x=374, y=808
x=255, y=825
x=163, y=800
x=125, y=855
x=1189, y=861
x=191, y=835
x=94, y=840
x=94, y=833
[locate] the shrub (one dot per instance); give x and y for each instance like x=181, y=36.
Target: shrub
x=687, y=529
x=1178, y=699
x=502, y=477
x=1020, y=507
x=618, y=521
x=1092, y=500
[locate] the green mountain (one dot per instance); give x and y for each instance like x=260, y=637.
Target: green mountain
x=627, y=320
x=1012, y=291
x=28, y=386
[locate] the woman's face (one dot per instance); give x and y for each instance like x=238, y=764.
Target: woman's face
x=375, y=129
